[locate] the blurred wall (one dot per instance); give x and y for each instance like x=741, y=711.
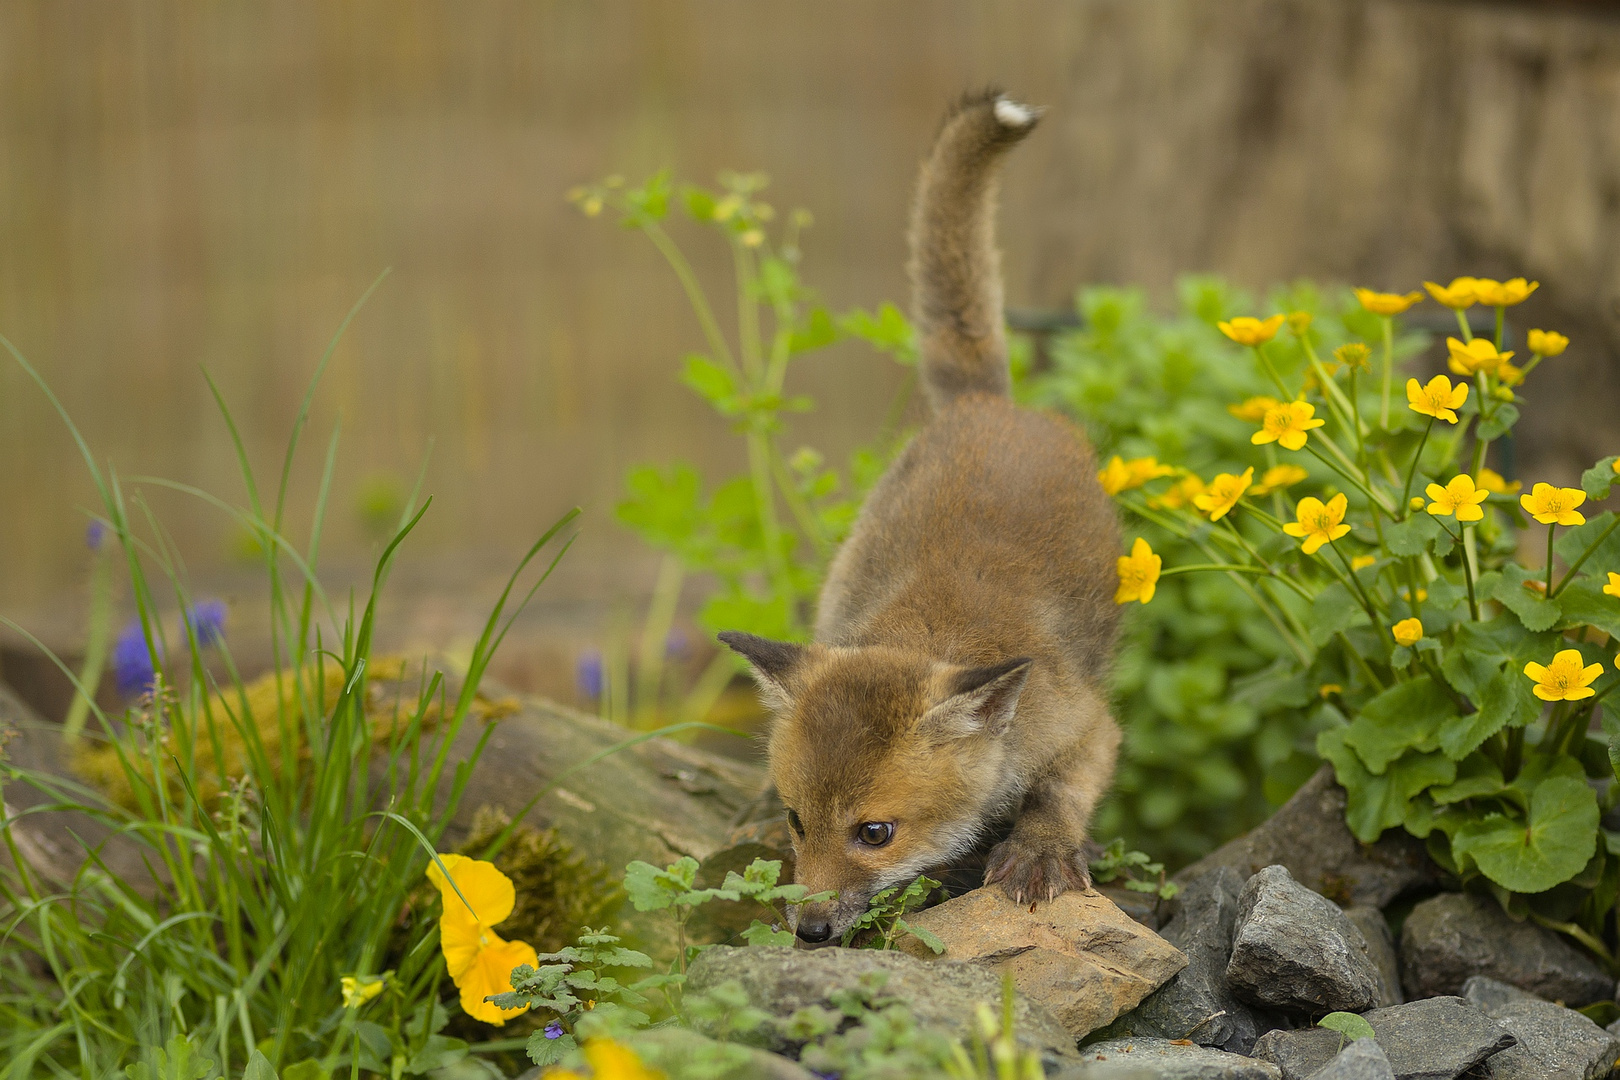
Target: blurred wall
x=186, y=185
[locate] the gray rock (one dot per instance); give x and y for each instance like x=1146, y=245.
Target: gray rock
x=1196, y=1004
x=1449, y=937
x=1555, y=1043
x=1162, y=1059
x=1381, y=947
x=943, y=995
x=1434, y=1039
x=1296, y=951
x=1488, y=993
x=1308, y=835
x=1363, y=1059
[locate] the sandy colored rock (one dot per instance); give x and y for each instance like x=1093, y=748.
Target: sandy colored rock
x=1079, y=955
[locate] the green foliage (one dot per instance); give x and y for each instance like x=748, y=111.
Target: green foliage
x=179, y=1060
x=410, y=1046
x=674, y=889
x=994, y=1053
x=885, y=916
x=573, y=983
x=872, y=1036
x=1351, y=1026
x=1138, y=872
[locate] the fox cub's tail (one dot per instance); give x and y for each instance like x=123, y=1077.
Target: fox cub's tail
x=955, y=270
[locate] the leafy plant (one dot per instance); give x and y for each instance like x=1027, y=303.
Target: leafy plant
x=674, y=889
x=885, y=914
x=1117, y=864
x=994, y=1053
x=572, y=983
x=870, y=1036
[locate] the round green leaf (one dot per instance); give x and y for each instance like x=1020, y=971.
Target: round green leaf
x=1551, y=847
x=1348, y=1024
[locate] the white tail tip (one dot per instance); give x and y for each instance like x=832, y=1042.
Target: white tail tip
x=1012, y=114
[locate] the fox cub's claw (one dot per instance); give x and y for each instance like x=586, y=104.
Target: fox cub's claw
x=1029, y=875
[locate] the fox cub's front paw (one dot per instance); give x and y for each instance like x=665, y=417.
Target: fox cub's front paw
x=1029, y=874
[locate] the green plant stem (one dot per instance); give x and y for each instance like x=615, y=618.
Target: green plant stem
x=1355, y=481
x=1361, y=661
x=694, y=292
x=1552, y=529
x=1500, y=313
x=1355, y=414
x=1462, y=324
x=1598, y=947
x=1406, y=489
x=1388, y=328
x=1513, y=759
x=95, y=648
x=1591, y=549
x=1234, y=568
x=1332, y=396
x=1355, y=583
x=1265, y=364
x=655, y=631
x=1468, y=570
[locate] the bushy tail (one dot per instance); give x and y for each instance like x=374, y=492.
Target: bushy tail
x=955, y=269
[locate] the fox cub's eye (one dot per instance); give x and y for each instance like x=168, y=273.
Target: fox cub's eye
x=794, y=823
x=875, y=833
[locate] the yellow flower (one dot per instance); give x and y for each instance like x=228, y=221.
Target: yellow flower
x=358, y=991
x=1415, y=502
x=1613, y=587
x=1278, y=478
x=1510, y=376
x=1286, y=425
x=1353, y=355
x=1361, y=562
x=1223, y=493
x=1254, y=409
x=1458, y=497
x=752, y=238
x=1422, y=595
x=1564, y=679
x=1547, y=342
x=479, y=961
x=1138, y=574
x=1458, y=295
x=1299, y=322
x=1438, y=399
x=1181, y=493
x=1468, y=357
x=1503, y=293
x=1319, y=523
x=1247, y=330
x=1120, y=475
x=1492, y=481
x=1407, y=632
x=1387, y=303
x=1554, y=506
x=1329, y=688
x=608, y=1061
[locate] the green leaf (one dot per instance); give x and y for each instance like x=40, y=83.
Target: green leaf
x=1477, y=776
x=759, y=933
x=816, y=332
x=887, y=331
x=543, y=1051
x=1333, y=611
x=1407, y=716
x=649, y=202
x=1584, y=602
x=1507, y=700
x=1412, y=536
x=1572, y=544
x=1597, y=480
x=922, y=934
x=178, y=1061
x=259, y=1067
x=1499, y=423
x=1376, y=803
x=712, y=382
x=652, y=889
x=1531, y=856
x=1348, y=1024
x=699, y=203
x=308, y=1069
x=439, y=1052
x=1534, y=610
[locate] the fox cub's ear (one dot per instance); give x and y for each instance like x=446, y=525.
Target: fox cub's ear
x=977, y=701
x=773, y=661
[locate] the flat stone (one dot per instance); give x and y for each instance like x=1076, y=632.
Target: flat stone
x=943, y=995
x=1381, y=947
x=1449, y=937
x=1363, y=1059
x=1196, y=1004
x=1555, y=1043
x=1308, y=835
x=1078, y=955
x=1296, y=951
x=1163, y=1059
x=1434, y=1039
x=1488, y=993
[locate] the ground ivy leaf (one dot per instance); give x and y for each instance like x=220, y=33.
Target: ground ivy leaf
x=1376, y=803
x=1552, y=846
x=1412, y=536
x=1333, y=611
x=1407, y=716
x=1533, y=609
x=1597, y=480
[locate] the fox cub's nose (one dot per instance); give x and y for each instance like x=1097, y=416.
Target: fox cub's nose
x=814, y=931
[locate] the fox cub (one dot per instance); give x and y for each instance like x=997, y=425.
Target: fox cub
x=955, y=686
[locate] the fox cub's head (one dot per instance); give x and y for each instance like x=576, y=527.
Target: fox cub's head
x=889, y=763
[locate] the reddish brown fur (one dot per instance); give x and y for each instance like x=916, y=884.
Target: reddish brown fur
x=988, y=540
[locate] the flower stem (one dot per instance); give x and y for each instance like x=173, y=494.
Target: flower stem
x=1468, y=569
x=1389, y=368
x=1462, y=324
x=1235, y=568
x=1551, y=529
x=1406, y=490
x=1500, y=312
x=1276, y=379
x=1591, y=549
x=1355, y=583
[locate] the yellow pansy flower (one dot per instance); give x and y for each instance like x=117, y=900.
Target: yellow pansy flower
x=479, y=960
x=1247, y=330
x=1564, y=679
x=1438, y=399
x=1120, y=475
x=1138, y=574
x=1286, y=425
x=1181, y=493
x=1278, y=478
x=359, y=990
x=1361, y=562
x=1407, y=632
x=1503, y=293
x=1554, y=506
x=1613, y=587
x=1387, y=303
x=1319, y=523
x=1353, y=355
x=1223, y=493
x=1458, y=295
x=608, y=1061
x=1547, y=342
x=1492, y=481
x=1459, y=497
x=1254, y=409
x=1468, y=357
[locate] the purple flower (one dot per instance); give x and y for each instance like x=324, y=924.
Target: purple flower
x=207, y=619
x=676, y=645
x=133, y=666
x=588, y=674
x=94, y=534
x=554, y=1030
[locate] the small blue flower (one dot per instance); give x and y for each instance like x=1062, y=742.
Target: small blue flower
x=588, y=674
x=554, y=1030
x=94, y=534
x=133, y=667
x=207, y=619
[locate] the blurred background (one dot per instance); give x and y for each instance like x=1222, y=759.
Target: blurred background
x=191, y=187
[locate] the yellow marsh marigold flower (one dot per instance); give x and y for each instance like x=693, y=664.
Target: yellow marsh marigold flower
x=1407, y=632
x=1510, y=376
x=1286, y=425
x=1547, y=342
x=358, y=991
x=1564, y=679
x=1181, y=493
x=1458, y=295
x=1254, y=409
x=1353, y=355
x=1492, y=481
x=1503, y=293
x=609, y=1061
x=1319, y=523
x=1459, y=497
x=1120, y=475
x=1613, y=587
x=1247, y=330
x=1223, y=493
x=479, y=961
x=1387, y=303
x=1279, y=478
x=1415, y=502
x=1554, y=506
x=1438, y=399
x=1361, y=562
x=1138, y=574
x=1468, y=357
